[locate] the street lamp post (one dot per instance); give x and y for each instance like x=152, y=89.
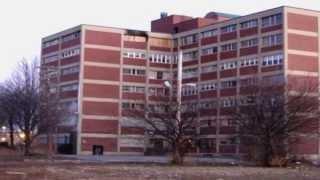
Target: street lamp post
x=179, y=84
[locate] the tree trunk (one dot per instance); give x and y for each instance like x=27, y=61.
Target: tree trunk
x=267, y=155
x=27, y=144
x=266, y=160
x=50, y=145
x=11, y=132
x=177, y=157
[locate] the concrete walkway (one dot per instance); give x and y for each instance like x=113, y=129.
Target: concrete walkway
x=148, y=159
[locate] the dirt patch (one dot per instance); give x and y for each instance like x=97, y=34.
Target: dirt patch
x=76, y=171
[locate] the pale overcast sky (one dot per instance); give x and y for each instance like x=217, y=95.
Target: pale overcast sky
x=24, y=22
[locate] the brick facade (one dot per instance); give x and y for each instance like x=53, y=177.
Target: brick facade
x=117, y=64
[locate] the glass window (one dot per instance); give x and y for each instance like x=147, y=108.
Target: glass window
x=272, y=20
x=211, y=50
x=209, y=33
x=249, y=24
x=229, y=47
x=229, y=28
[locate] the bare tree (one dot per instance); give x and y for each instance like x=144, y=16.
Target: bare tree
x=270, y=116
x=31, y=103
x=8, y=111
x=162, y=121
x=51, y=112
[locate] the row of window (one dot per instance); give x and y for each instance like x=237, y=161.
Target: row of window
x=243, y=63
x=228, y=84
x=249, y=24
x=64, y=71
x=228, y=65
x=269, y=60
x=132, y=106
x=189, y=56
x=189, y=73
x=212, y=104
x=224, y=84
x=193, y=72
x=272, y=60
x=70, y=70
x=207, y=51
x=71, y=36
x=153, y=91
x=51, y=58
x=270, y=40
x=249, y=43
x=209, y=68
x=228, y=29
x=228, y=102
x=50, y=43
x=229, y=47
x=135, y=72
x=154, y=58
x=272, y=20
x=64, y=54
x=190, y=39
x=161, y=75
x=133, y=89
x=189, y=91
x=70, y=52
x=160, y=58
x=69, y=87
x=249, y=62
x=70, y=105
x=68, y=37
x=224, y=102
x=208, y=86
x=266, y=22
x=274, y=79
x=134, y=55
x=208, y=104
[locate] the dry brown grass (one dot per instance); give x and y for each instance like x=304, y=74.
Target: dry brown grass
x=36, y=170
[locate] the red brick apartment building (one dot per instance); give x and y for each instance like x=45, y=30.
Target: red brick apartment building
x=104, y=71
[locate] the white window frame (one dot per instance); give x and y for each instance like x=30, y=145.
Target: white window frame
x=210, y=50
x=272, y=20
x=69, y=87
x=228, y=29
x=249, y=43
x=228, y=84
x=272, y=60
x=229, y=47
x=209, y=33
x=249, y=24
x=253, y=61
x=70, y=53
x=228, y=65
x=272, y=40
x=190, y=56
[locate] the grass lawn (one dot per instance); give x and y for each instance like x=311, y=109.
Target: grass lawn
x=14, y=167
x=41, y=170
